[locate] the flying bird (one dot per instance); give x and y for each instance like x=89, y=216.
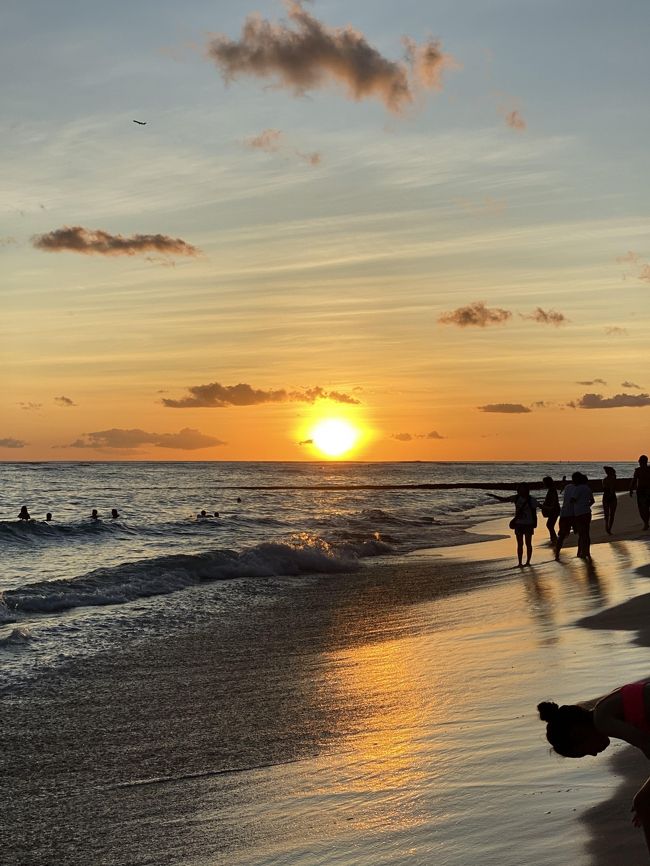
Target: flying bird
x=141, y=122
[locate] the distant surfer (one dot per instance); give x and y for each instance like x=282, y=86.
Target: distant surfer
x=24, y=514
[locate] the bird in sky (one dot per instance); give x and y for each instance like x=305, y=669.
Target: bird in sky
x=141, y=122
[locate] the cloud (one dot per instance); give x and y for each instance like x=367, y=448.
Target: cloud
x=30, y=407
x=627, y=384
x=475, y=314
x=592, y=382
x=644, y=273
x=64, y=401
x=306, y=442
x=630, y=257
x=273, y=141
x=305, y=54
x=615, y=331
x=76, y=239
x=618, y=401
x=186, y=439
x=12, y=443
x=217, y=396
x=505, y=408
x=546, y=317
x=409, y=437
x=514, y=120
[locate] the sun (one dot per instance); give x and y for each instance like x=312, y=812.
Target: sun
x=334, y=437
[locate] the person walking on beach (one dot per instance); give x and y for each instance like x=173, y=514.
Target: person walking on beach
x=524, y=521
x=610, y=502
x=551, y=507
x=641, y=483
x=583, y=500
x=565, y=524
x=576, y=730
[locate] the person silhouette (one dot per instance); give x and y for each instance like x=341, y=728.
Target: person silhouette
x=584, y=728
x=641, y=483
x=114, y=514
x=24, y=514
x=610, y=502
x=551, y=507
x=94, y=515
x=48, y=516
x=524, y=521
x=582, y=502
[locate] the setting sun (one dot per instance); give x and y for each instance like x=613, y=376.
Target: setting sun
x=334, y=436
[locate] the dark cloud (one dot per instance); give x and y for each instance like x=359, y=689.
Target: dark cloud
x=305, y=54
x=627, y=384
x=306, y=442
x=30, y=407
x=546, y=317
x=64, y=401
x=12, y=443
x=618, y=401
x=475, y=314
x=217, y=396
x=592, y=382
x=76, y=239
x=409, y=437
x=186, y=439
x=505, y=408
x=615, y=331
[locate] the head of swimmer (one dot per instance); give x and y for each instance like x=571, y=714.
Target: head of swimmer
x=571, y=731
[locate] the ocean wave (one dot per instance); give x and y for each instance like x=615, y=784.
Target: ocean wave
x=26, y=531
x=17, y=637
x=166, y=574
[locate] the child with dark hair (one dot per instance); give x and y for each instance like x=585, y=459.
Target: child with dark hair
x=576, y=730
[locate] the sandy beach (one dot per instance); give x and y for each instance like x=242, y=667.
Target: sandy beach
x=384, y=717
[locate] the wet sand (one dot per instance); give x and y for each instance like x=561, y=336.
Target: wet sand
x=377, y=718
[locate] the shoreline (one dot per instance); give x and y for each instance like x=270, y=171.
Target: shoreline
x=259, y=694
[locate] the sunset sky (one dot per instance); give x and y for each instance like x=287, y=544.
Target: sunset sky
x=443, y=239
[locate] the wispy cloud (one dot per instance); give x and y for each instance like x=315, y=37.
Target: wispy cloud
x=117, y=438
x=64, y=401
x=12, y=443
x=475, y=314
x=628, y=384
x=274, y=141
x=591, y=382
x=217, y=396
x=305, y=54
x=505, y=408
x=615, y=331
x=77, y=239
x=514, y=120
x=644, y=273
x=630, y=257
x=28, y=406
x=618, y=401
x=546, y=317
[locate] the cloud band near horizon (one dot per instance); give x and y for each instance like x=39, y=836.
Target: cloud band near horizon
x=217, y=396
x=76, y=239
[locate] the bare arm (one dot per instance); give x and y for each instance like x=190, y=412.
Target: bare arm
x=502, y=498
x=608, y=723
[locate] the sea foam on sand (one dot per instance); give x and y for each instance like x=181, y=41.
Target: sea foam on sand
x=382, y=718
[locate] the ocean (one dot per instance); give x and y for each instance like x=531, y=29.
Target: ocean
x=74, y=586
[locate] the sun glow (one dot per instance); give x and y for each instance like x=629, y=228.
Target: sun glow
x=334, y=437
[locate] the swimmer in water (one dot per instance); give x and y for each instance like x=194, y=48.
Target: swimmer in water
x=576, y=730
x=94, y=515
x=24, y=514
x=48, y=517
x=114, y=514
